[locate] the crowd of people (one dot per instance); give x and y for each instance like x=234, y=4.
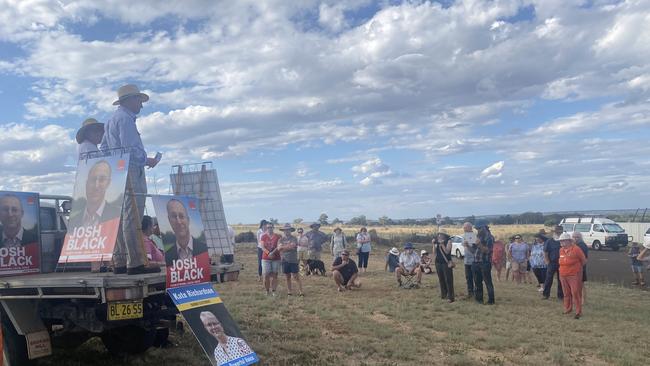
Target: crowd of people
x=557, y=256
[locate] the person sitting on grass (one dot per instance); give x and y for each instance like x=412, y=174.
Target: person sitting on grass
x=345, y=272
x=425, y=262
x=409, y=265
x=392, y=260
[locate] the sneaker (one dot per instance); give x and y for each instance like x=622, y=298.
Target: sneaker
x=273, y=294
x=541, y=289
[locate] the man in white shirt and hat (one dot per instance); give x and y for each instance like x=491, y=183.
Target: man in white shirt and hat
x=89, y=135
x=121, y=132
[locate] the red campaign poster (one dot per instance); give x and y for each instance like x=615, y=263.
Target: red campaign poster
x=20, y=248
x=186, y=253
x=96, y=209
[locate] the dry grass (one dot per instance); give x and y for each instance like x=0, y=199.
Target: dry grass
x=383, y=325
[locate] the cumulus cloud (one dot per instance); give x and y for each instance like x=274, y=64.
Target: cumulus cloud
x=373, y=171
x=493, y=171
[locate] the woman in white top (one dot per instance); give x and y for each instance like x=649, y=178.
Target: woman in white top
x=260, y=250
x=338, y=242
x=363, y=248
x=89, y=135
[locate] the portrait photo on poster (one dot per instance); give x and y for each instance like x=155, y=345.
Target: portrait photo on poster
x=219, y=336
x=96, y=208
x=186, y=251
x=20, y=248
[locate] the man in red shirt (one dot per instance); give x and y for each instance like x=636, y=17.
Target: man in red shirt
x=270, y=259
x=571, y=261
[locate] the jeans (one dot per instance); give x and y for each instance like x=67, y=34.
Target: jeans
x=540, y=274
x=553, y=269
x=259, y=261
x=446, y=280
x=363, y=259
x=482, y=272
x=469, y=278
x=129, y=250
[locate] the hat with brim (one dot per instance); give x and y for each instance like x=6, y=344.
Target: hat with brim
x=127, y=91
x=408, y=246
x=314, y=225
x=565, y=236
x=393, y=251
x=88, y=125
x=423, y=252
x=287, y=227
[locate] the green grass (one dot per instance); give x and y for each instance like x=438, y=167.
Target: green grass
x=383, y=325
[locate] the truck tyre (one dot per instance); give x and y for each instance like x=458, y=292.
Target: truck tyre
x=128, y=340
x=596, y=245
x=15, y=345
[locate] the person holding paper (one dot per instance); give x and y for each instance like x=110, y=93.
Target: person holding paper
x=228, y=348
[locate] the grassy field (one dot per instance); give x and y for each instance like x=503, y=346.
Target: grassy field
x=381, y=324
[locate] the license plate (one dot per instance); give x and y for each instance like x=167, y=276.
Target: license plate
x=124, y=310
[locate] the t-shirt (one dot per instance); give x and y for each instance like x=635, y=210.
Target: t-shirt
x=537, y=256
x=470, y=238
x=409, y=261
x=348, y=270
x=552, y=249
x=633, y=254
x=270, y=243
x=363, y=242
x=153, y=253
x=290, y=255
x=393, y=262
x=519, y=251
x=316, y=240
x=498, y=251
x=260, y=232
x=487, y=243
x=303, y=243
x=571, y=260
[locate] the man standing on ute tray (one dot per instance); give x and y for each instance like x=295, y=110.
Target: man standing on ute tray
x=121, y=132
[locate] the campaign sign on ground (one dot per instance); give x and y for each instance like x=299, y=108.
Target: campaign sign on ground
x=186, y=253
x=212, y=325
x=96, y=209
x=20, y=249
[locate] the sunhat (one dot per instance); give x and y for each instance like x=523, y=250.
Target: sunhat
x=565, y=236
x=394, y=251
x=314, y=225
x=286, y=227
x=423, y=252
x=408, y=246
x=88, y=124
x=129, y=90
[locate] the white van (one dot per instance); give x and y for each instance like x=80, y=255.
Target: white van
x=597, y=232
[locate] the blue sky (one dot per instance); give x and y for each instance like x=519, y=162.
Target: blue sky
x=404, y=109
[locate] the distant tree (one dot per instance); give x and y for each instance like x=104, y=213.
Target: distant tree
x=322, y=219
x=273, y=221
x=470, y=219
x=336, y=221
x=384, y=220
x=297, y=221
x=550, y=222
x=447, y=221
x=358, y=220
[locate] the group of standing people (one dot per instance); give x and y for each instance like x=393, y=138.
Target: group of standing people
x=293, y=255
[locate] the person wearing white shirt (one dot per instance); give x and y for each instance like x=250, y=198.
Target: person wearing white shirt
x=228, y=348
x=89, y=136
x=409, y=265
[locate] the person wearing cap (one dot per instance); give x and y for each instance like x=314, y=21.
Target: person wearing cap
x=288, y=247
x=392, y=260
x=121, y=132
x=89, y=136
x=270, y=259
x=552, y=257
x=345, y=272
x=444, y=266
x=571, y=261
x=338, y=242
x=409, y=265
x=469, y=238
x=425, y=262
x=363, y=248
x=482, y=266
x=537, y=262
x=316, y=240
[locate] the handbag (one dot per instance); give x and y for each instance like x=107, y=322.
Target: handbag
x=450, y=263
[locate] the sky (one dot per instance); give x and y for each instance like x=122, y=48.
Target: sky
x=404, y=109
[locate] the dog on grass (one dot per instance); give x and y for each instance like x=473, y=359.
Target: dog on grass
x=314, y=267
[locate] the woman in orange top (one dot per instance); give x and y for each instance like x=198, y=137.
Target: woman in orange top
x=571, y=261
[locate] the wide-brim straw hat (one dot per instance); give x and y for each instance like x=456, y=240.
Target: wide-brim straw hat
x=287, y=227
x=565, y=236
x=129, y=90
x=393, y=251
x=88, y=124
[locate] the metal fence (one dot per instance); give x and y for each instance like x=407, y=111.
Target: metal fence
x=635, y=229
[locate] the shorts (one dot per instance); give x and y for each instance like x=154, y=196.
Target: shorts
x=290, y=268
x=270, y=266
x=519, y=267
x=637, y=269
x=303, y=255
x=315, y=256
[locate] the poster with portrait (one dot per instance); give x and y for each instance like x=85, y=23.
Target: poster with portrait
x=212, y=325
x=186, y=252
x=96, y=209
x=20, y=249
